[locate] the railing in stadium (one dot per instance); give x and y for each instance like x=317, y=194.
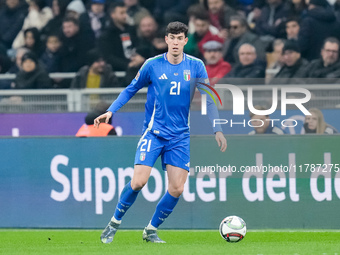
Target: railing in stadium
x=67, y=100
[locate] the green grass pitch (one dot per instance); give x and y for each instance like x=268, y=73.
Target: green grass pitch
x=22, y=241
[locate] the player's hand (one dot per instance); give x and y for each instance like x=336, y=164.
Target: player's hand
x=101, y=118
x=221, y=141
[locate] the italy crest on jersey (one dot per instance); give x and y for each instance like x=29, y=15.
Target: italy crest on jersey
x=186, y=74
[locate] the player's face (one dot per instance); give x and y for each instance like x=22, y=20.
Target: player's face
x=312, y=121
x=176, y=43
x=260, y=123
x=330, y=53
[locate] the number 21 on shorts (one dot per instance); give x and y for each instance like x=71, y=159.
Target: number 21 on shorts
x=147, y=143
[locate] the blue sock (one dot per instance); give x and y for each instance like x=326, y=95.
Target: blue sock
x=163, y=209
x=127, y=198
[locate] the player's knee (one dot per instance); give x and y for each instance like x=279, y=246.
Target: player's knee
x=176, y=191
x=137, y=184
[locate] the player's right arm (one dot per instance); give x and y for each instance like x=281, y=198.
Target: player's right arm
x=106, y=117
x=137, y=83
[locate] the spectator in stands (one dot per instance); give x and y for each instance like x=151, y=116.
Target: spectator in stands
x=201, y=35
x=159, y=43
x=145, y=49
x=294, y=67
x=328, y=66
x=32, y=41
x=277, y=60
x=31, y=75
x=336, y=7
x=216, y=67
x=319, y=23
x=219, y=13
x=51, y=56
x=75, y=45
x=263, y=124
x=11, y=19
x=272, y=19
x=168, y=11
x=5, y=64
x=95, y=18
x=38, y=16
x=16, y=67
x=147, y=30
x=249, y=71
x=104, y=129
x=97, y=74
x=292, y=28
x=75, y=8
x=239, y=34
x=315, y=123
x=55, y=24
x=117, y=43
x=297, y=8
x=195, y=10
x=135, y=12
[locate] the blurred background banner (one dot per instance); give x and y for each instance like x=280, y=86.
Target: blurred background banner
x=75, y=183
x=67, y=124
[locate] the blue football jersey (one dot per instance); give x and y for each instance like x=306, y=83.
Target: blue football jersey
x=170, y=91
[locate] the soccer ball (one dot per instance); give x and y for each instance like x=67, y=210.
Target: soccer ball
x=233, y=229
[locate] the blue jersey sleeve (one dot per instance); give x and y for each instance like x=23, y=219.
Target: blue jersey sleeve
x=202, y=78
x=142, y=78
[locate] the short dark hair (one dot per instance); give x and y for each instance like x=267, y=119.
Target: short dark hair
x=195, y=9
x=293, y=19
x=53, y=34
x=242, y=20
x=93, y=56
x=114, y=5
x=71, y=19
x=204, y=15
x=331, y=40
x=40, y=3
x=176, y=28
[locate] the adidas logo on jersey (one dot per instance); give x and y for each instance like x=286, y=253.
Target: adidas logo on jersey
x=163, y=77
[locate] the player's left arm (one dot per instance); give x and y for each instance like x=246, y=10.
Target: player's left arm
x=203, y=86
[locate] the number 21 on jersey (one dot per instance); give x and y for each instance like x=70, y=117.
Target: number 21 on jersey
x=176, y=88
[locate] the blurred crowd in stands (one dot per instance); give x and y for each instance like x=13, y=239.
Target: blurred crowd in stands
x=299, y=39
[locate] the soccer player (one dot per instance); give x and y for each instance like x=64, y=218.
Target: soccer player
x=170, y=77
